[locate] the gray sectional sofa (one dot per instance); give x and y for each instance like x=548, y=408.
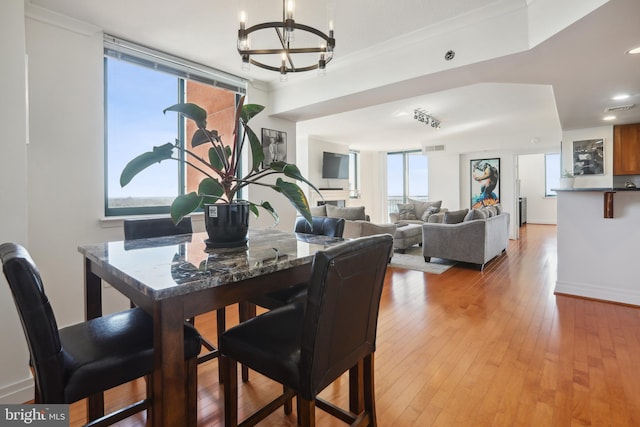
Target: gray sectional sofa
x=356, y=221
x=474, y=241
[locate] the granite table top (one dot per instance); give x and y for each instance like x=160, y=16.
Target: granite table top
x=165, y=267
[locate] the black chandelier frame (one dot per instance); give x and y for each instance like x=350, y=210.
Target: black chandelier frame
x=281, y=27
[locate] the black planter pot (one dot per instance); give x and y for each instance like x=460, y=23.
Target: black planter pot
x=227, y=224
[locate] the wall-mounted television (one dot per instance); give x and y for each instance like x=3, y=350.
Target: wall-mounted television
x=335, y=165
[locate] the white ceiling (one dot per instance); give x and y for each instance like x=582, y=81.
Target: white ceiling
x=520, y=101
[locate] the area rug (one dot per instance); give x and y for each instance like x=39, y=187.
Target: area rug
x=412, y=259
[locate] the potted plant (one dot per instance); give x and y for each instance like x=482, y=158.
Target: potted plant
x=226, y=216
x=566, y=179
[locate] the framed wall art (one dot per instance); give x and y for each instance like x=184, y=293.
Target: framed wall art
x=588, y=157
x=485, y=182
x=274, y=146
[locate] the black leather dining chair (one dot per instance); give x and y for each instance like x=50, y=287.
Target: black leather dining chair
x=307, y=345
x=144, y=228
x=320, y=226
x=87, y=358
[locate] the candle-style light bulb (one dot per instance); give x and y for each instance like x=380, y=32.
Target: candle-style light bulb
x=243, y=39
x=289, y=21
x=322, y=63
x=331, y=10
x=290, y=9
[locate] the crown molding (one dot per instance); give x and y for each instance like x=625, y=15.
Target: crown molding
x=46, y=16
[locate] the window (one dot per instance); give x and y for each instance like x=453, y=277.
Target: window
x=407, y=177
x=354, y=174
x=552, y=173
x=139, y=85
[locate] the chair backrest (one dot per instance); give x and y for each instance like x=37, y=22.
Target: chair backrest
x=145, y=228
x=320, y=225
x=341, y=315
x=38, y=321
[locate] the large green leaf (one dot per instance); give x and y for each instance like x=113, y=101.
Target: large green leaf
x=249, y=111
x=292, y=171
x=210, y=187
x=253, y=207
x=215, y=158
x=203, y=136
x=296, y=196
x=144, y=160
x=191, y=111
x=267, y=206
x=183, y=205
x=257, y=153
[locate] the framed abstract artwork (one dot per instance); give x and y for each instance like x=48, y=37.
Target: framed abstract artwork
x=274, y=146
x=588, y=157
x=485, y=182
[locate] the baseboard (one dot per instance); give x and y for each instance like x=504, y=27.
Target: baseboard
x=602, y=293
x=20, y=392
x=541, y=221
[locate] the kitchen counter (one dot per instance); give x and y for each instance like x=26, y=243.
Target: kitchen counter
x=597, y=256
x=608, y=193
x=597, y=189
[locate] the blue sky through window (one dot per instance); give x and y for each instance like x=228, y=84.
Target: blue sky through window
x=135, y=123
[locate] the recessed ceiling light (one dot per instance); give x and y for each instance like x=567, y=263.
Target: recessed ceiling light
x=608, y=118
x=621, y=97
x=634, y=51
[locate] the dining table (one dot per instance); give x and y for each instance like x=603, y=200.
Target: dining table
x=174, y=278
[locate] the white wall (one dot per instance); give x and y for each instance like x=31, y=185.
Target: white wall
x=594, y=181
x=15, y=379
x=444, y=179
x=66, y=125
x=540, y=209
x=373, y=191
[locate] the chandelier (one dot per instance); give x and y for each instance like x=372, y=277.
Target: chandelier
x=423, y=117
x=285, y=33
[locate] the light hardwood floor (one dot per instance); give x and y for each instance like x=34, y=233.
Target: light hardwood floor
x=469, y=348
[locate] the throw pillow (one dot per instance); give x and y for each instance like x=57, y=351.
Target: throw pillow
x=318, y=210
x=475, y=214
x=351, y=213
x=430, y=211
x=406, y=211
x=454, y=217
x=487, y=212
